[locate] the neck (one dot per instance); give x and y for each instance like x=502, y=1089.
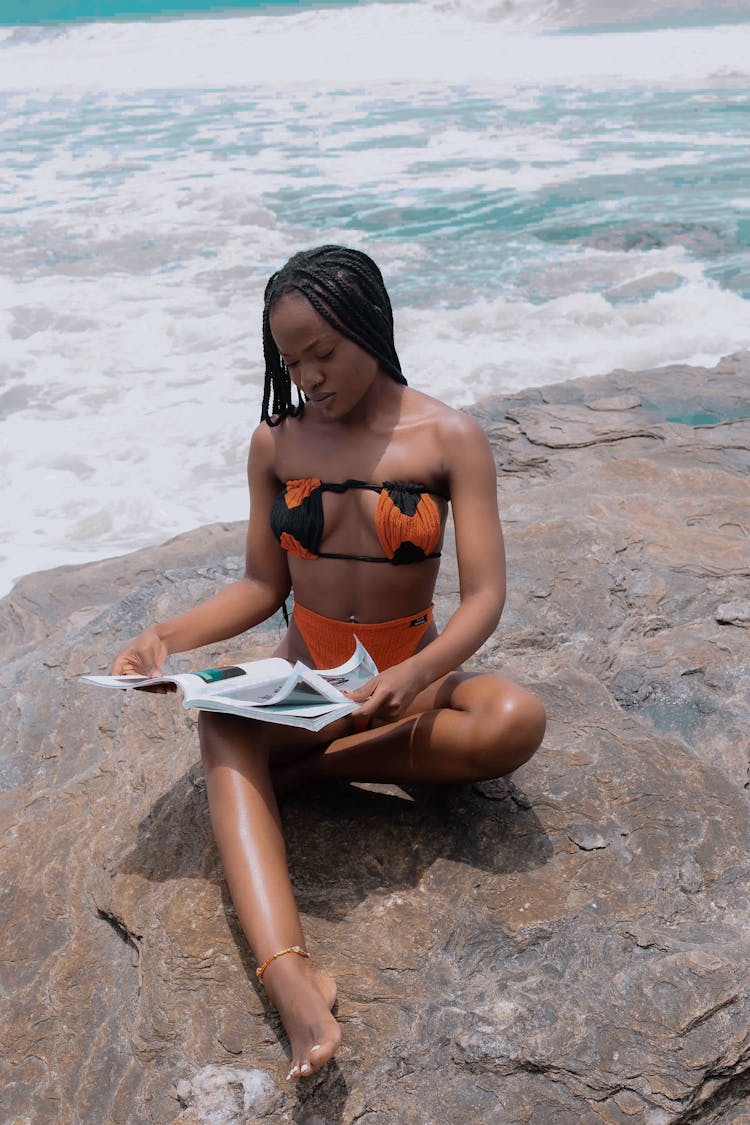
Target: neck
x=381, y=405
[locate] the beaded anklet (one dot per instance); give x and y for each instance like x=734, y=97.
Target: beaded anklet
x=292, y=949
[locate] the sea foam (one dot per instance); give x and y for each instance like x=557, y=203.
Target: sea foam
x=371, y=44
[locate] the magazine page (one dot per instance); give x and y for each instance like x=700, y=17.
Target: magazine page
x=301, y=688
x=266, y=689
x=357, y=670
x=304, y=688
x=311, y=716
x=331, y=683
x=206, y=682
x=185, y=681
x=254, y=693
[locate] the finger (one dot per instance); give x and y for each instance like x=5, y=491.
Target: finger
x=365, y=690
x=372, y=707
x=384, y=708
x=363, y=693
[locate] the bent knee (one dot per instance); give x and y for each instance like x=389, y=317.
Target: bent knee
x=509, y=732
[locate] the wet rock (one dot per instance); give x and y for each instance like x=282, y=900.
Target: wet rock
x=568, y=946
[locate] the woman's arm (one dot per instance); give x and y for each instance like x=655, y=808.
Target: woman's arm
x=481, y=567
x=480, y=552
x=242, y=604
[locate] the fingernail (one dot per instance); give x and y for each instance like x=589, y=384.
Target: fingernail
x=305, y=1068
x=316, y=1047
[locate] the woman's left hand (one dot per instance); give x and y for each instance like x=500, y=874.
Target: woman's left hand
x=386, y=697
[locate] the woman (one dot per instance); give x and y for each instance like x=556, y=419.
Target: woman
x=349, y=494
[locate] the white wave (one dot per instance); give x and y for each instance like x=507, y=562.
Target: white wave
x=554, y=14
x=505, y=345
x=368, y=45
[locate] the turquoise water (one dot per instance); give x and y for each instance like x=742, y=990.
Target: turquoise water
x=528, y=238
x=697, y=414
x=20, y=12
x=516, y=239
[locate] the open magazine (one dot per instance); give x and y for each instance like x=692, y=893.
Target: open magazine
x=271, y=690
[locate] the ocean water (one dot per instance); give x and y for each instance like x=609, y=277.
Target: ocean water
x=550, y=193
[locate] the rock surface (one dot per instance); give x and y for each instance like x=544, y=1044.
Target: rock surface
x=569, y=946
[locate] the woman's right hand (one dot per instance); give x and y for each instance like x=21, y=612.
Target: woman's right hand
x=143, y=656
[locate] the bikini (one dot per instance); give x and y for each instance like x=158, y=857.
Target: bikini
x=408, y=527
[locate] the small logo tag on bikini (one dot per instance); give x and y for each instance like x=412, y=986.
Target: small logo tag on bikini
x=418, y=620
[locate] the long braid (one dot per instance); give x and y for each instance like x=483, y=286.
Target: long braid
x=347, y=289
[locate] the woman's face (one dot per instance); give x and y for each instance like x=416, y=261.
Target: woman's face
x=332, y=371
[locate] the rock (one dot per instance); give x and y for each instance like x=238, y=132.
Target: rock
x=217, y=1095
x=734, y=613
x=567, y=946
x=586, y=837
x=615, y=402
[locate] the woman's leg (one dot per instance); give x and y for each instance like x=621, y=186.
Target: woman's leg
x=247, y=829
x=466, y=727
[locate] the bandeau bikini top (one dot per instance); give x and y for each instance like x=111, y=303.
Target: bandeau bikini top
x=407, y=521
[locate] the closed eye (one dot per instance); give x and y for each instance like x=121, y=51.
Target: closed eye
x=290, y=363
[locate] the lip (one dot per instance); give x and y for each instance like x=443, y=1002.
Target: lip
x=320, y=399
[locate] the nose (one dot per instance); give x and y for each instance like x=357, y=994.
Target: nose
x=310, y=377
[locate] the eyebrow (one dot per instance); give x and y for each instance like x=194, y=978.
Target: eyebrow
x=309, y=347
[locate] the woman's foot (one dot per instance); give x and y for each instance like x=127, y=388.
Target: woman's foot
x=304, y=997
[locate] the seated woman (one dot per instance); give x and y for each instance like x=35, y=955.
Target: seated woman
x=349, y=493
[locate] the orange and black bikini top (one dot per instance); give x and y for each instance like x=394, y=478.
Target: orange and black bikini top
x=407, y=521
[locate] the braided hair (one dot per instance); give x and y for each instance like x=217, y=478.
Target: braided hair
x=347, y=289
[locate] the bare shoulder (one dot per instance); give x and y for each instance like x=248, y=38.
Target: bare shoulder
x=262, y=440
x=453, y=427
x=461, y=430
x=263, y=448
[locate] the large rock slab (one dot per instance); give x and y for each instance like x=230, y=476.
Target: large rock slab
x=629, y=542
x=567, y=946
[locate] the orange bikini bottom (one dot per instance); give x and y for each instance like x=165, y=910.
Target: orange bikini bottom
x=331, y=642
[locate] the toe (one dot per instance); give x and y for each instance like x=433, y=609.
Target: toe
x=317, y=1059
x=322, y=1052
x=313, y=1061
